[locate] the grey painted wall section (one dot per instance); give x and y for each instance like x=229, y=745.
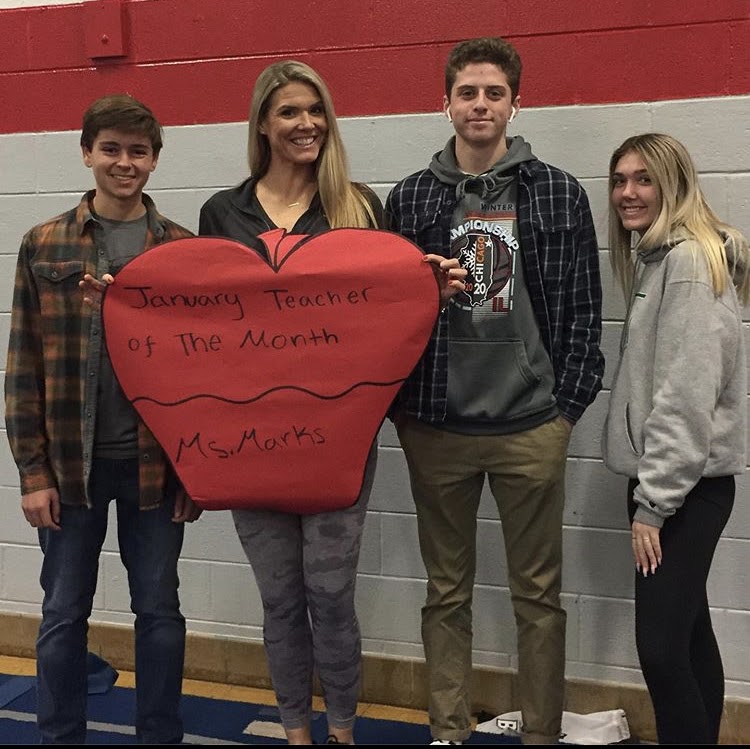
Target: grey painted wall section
x=42, y=175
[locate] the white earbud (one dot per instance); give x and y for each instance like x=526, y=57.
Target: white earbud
x=512, y=115
x=448, y=114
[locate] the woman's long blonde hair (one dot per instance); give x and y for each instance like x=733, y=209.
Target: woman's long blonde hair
x=343, y=203
x=683, y=211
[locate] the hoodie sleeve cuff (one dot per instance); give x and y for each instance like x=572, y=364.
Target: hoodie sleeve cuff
x=647, y=517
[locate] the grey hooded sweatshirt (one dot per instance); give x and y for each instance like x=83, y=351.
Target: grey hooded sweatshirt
x=677, y=410
x=500, y=377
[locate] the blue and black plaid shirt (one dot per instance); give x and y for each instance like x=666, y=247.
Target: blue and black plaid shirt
x=561, y=267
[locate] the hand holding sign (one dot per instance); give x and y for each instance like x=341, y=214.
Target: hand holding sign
x=266, y=383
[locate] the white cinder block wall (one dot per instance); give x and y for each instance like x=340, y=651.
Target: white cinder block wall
x=42, y=175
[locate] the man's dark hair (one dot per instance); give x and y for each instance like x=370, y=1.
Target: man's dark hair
x=490, y=49
x=120, y=112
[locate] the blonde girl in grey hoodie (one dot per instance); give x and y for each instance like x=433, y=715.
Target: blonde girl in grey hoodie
x=677, y=417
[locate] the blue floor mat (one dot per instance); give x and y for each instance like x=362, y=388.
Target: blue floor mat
x=207, y=721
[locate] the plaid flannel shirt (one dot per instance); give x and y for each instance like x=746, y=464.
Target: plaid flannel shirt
x=561, y=266
x=52, y=372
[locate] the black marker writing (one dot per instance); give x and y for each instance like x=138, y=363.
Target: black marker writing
x=195, y=344
x=284, y=300
x=249, y=442
x=187, y=300
x=281, y=341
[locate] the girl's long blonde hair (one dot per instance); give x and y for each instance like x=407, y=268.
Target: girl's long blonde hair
x=683, y=211
x=344, y=204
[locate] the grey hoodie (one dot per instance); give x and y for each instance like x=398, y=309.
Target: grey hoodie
x=487, y=186
x=677, y=411
x=500, y=377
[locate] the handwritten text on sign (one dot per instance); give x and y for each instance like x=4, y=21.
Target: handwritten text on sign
x=280, y=299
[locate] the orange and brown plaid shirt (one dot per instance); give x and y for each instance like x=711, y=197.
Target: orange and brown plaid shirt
x=52, y=371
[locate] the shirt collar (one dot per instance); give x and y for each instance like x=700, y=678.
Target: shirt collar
x=85, y=215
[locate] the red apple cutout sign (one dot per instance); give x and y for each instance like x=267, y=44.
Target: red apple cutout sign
x=266, y=382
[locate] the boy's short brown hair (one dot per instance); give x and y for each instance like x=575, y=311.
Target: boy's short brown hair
x=490, y=49
x=120, y=112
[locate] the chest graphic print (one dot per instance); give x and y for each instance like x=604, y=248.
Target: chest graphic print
x=485, y=246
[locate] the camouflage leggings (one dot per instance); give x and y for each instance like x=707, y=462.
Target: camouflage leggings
x=306, y=568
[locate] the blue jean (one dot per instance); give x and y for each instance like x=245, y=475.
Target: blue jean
x=150, y=545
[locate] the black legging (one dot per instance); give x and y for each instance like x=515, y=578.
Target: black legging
x=677, y=648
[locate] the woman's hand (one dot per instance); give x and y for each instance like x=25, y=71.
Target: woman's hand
x=93, y=289
x=450, y=276
x=646, y=547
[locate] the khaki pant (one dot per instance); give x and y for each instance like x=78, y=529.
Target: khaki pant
x=526, y=473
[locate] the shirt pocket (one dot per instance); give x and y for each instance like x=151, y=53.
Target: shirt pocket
x=57, y=283
x=549, y=221
x=555, y=234
x=428, y=228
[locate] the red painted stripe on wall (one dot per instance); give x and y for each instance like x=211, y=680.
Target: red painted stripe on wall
x=195, y=61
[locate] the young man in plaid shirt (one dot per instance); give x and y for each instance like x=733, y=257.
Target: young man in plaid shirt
x=79, y=443
x=513, y=362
